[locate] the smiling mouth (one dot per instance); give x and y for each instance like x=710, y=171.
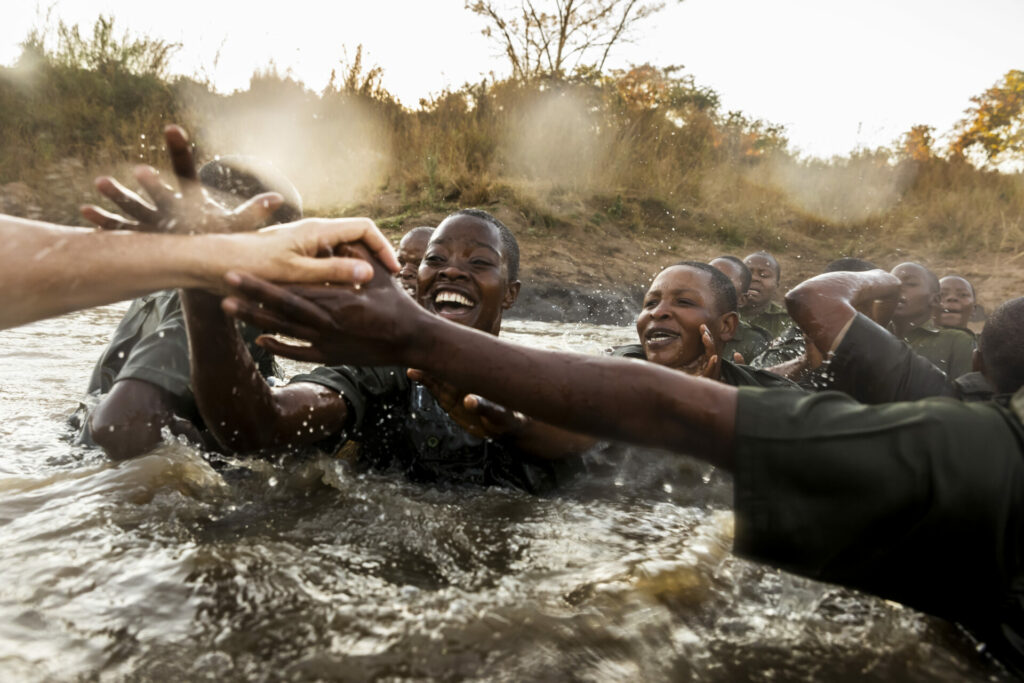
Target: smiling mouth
x=447, y=302
x=657, y=338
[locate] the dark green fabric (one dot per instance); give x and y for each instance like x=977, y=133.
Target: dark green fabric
x=398, y=424
x=731, y=374
x=950, y=349
x=922, y=503
x=748, y=341
x=773, y=318
x=151, y=344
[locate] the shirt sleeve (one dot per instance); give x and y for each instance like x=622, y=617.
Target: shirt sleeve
x=915, y=502
x=357, y=385
x=873, y=366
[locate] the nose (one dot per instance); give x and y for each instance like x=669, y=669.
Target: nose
x=661, y=311
x=453, y=270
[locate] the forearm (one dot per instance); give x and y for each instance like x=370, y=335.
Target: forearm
x=235, y=401
x=551, y=443
x=52, y=269
x=605, y=397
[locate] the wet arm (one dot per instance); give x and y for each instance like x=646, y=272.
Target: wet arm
x=824, y=306
x=613, y=398
x=240, y=409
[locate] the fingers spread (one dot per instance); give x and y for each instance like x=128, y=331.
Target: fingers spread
x=129, y=202
x=180, y=150
x=106, y=220
x=163, y=196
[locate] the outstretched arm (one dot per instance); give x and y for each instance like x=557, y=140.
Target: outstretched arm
x=614, y=398
x=47, y=269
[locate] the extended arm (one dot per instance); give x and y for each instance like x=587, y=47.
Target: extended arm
x=50, y=269
x=614, y=398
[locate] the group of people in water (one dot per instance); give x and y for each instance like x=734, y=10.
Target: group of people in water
x=875, y=441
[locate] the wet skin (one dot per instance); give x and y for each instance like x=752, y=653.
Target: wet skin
x=463, y=277
x=678, y=303
x=764, y=281
x=917, y=300
x=957, y=302
x=732, y=271
x=410, y=253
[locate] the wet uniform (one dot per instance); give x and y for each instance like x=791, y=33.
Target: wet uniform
x=732, y=374
x=922, y=502
x=950, y=349
x=398, y=424
x=749, y=341
x=151, y=344
x=773, y=318
x=874, y=366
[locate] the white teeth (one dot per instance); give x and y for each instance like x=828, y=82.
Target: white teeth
x=447, y=297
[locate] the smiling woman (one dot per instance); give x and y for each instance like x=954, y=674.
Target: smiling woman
x=469, y=273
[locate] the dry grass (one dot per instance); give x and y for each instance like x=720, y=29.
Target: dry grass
x=641, y=157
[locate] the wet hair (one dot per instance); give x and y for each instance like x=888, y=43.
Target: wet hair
x=509, y=245
x=1000, y=346
x=849, y=264
x=771, y=260
x=722, y=288
x=245, y=177
x=745, y=276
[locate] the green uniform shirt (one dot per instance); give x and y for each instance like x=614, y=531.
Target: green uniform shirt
x=399, y=425
x=950, y=349
x=922, y=503
x=774, y=318
x=748, y=341
x=732, y=374
x=873, y=366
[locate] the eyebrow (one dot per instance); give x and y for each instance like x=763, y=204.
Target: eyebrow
x=475, y=242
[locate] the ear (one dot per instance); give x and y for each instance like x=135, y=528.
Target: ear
x=741, y=300
x=727, y=325
x=511, y=294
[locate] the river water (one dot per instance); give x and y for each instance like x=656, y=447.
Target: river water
x=162, y=568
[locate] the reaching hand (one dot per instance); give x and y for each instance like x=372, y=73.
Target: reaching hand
x=189, y=210
x=478, y=416
x=371, y=324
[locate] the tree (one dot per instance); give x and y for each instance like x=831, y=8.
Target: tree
x=994, y=122
x=917, y=143
x=555, y=37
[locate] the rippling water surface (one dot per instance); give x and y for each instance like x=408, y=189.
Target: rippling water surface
x=303, y=569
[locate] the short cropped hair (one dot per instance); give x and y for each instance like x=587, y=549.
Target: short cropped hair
x=849, y=264
x=245, y=177
x=722, y=288
x=1001, y=348
x=509, y=245
x=773, y=261
x=745, y=276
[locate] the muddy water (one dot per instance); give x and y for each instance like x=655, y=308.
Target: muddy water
x=303, y=569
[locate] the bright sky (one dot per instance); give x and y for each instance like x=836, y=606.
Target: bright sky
x=838, y=74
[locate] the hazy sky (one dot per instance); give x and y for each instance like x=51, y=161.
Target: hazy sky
x=838, y=74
